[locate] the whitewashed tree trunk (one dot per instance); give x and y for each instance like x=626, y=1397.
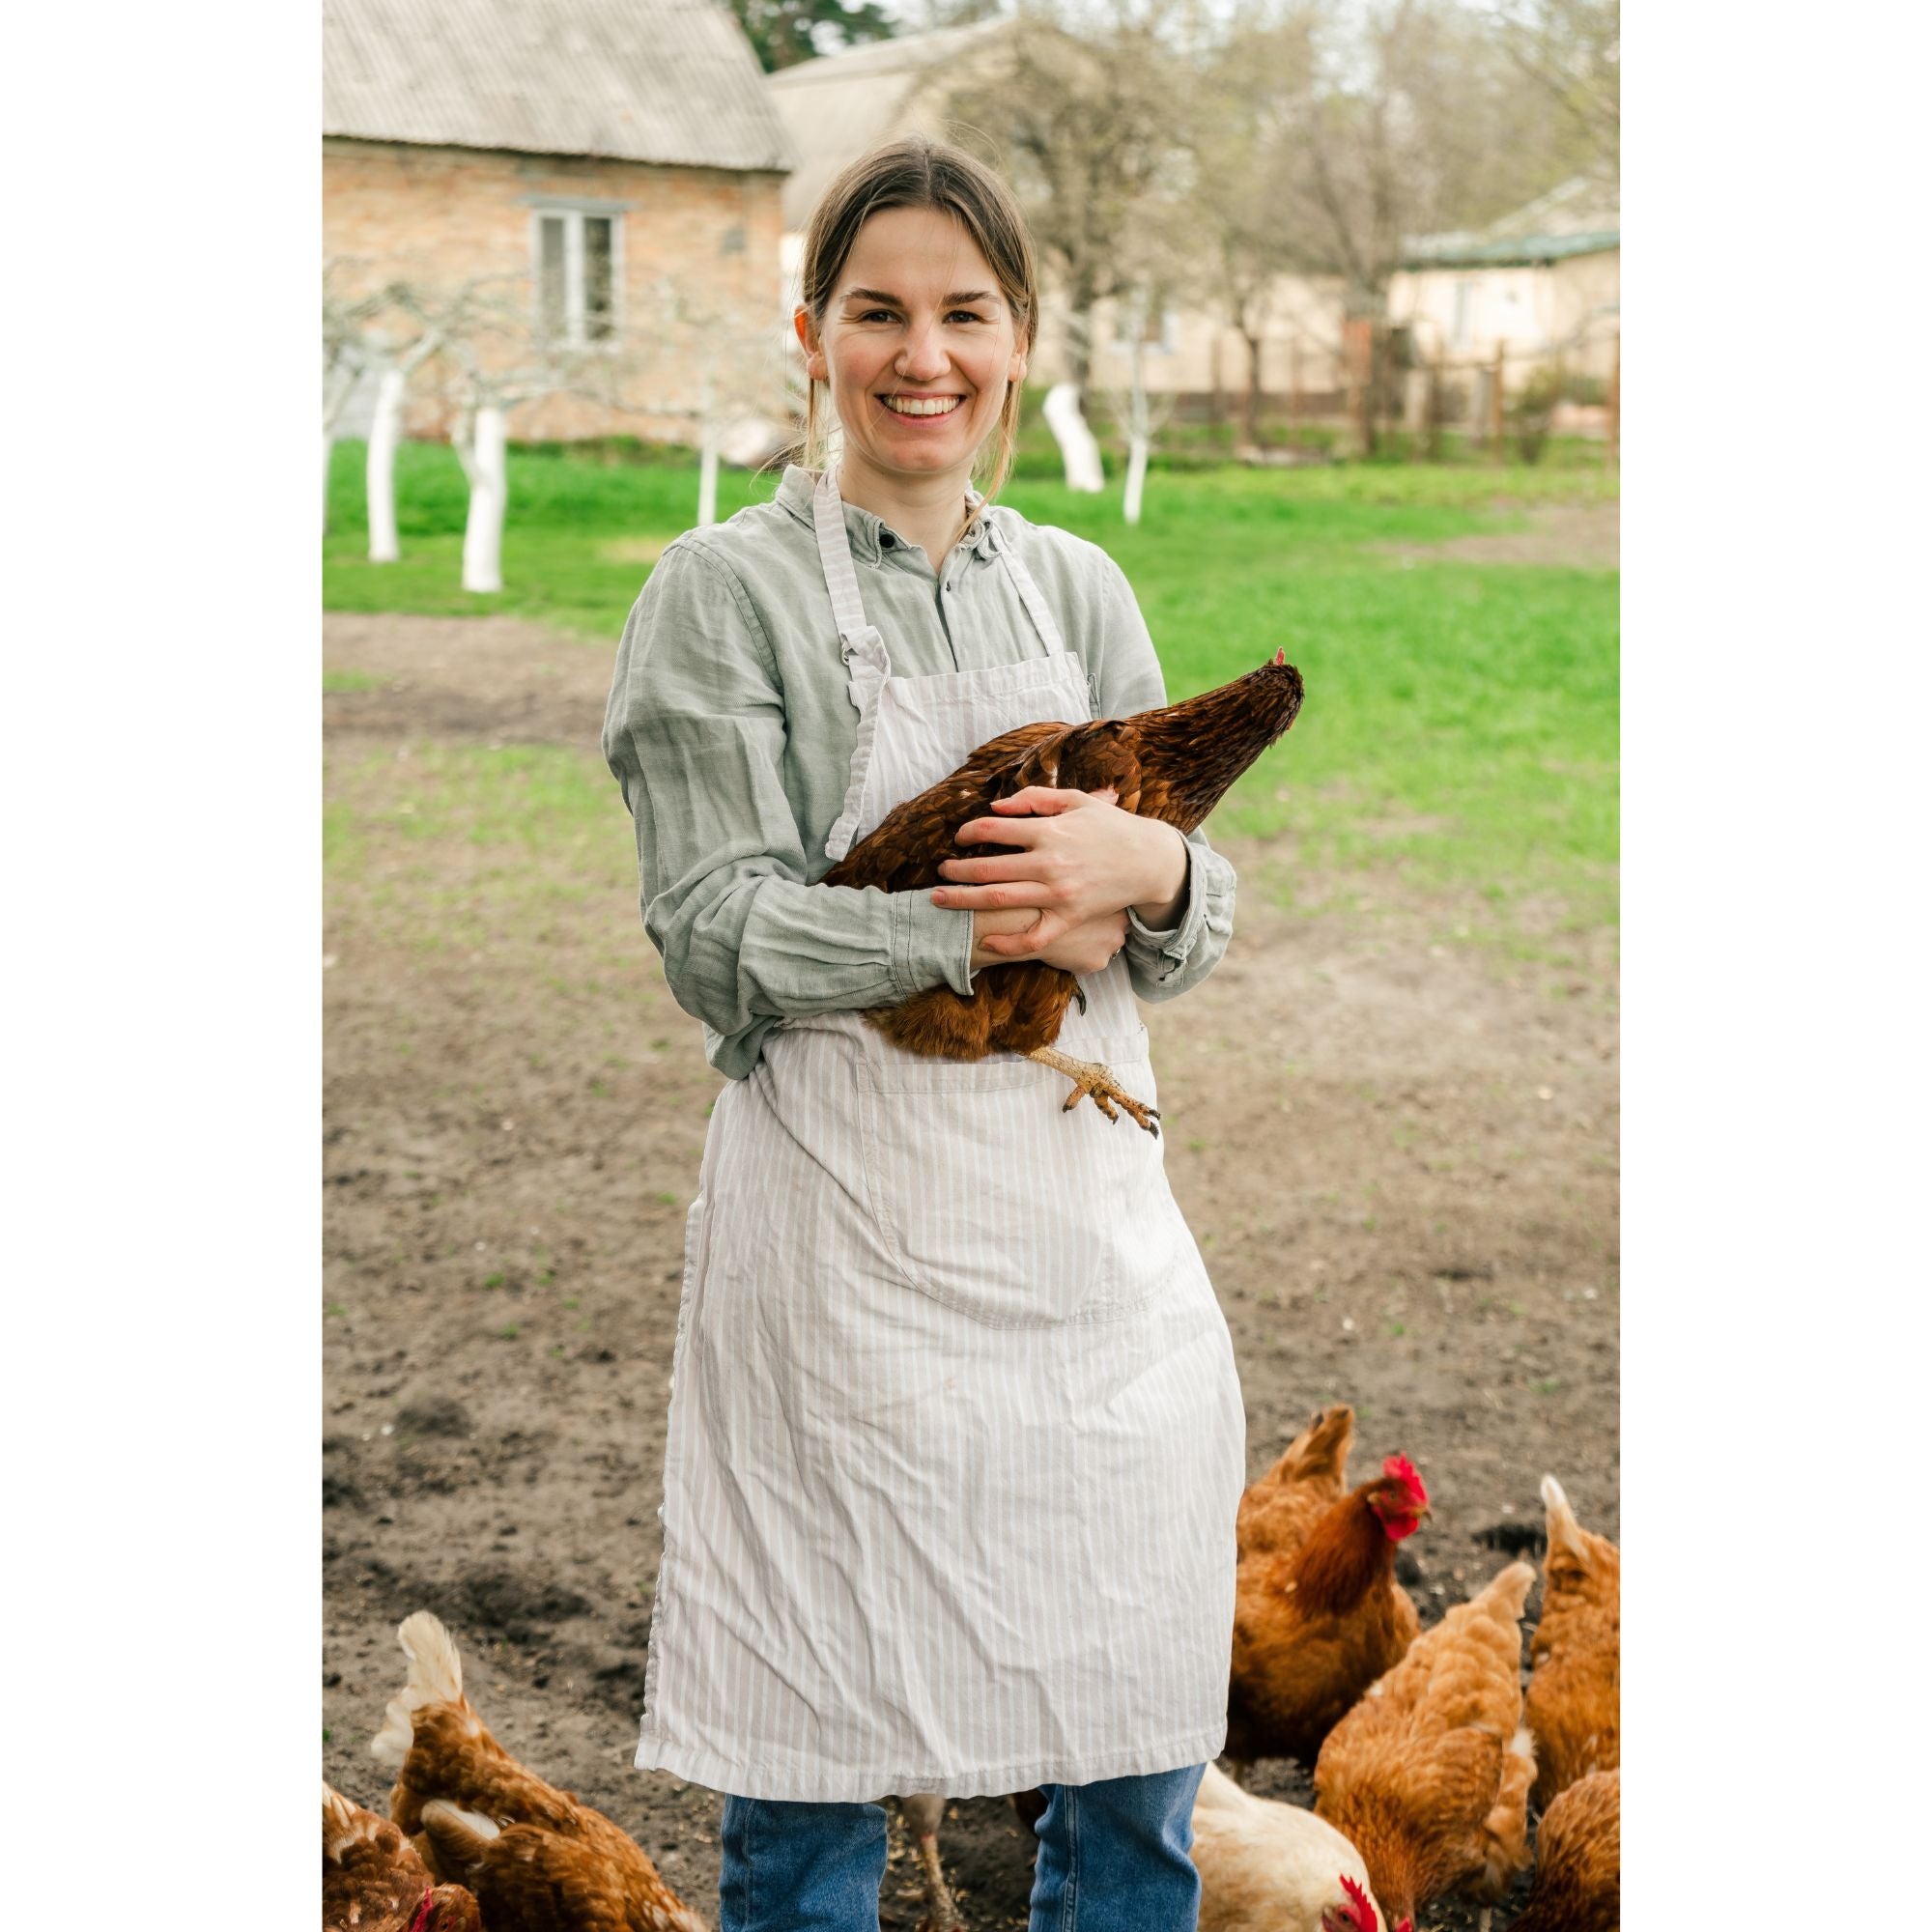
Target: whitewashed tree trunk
x=1139, y=436
x=1137, y=463
x=489, y=492
x=1078, y=450
x=707, y=470
x=338, y=383
x=384, y=432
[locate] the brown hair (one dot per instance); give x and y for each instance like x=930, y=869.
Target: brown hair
x=918, y=172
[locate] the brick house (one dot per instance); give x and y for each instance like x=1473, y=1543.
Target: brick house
x=610, y=170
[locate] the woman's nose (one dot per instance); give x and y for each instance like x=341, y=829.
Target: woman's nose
x=923, y=357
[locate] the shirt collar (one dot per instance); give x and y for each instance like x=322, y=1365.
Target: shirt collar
x=862, y=527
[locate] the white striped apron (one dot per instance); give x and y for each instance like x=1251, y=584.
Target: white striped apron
x=956, y=1437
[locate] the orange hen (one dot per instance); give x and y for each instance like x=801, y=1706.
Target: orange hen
x=1578, y=1860
x=1173, y=763
x=1574, y=1686
x=1429, y=1774
x=1279, y=1508
x=1315, y=1627
x=537, y=1860
x=373, y=1880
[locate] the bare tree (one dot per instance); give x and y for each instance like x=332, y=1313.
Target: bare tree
x=1395, y=136
x=490, y=360
x=395, y=364
x=1081, y=110
x=733, y=354
x=345, y=357
x=1568, y=50
x=1135, y=410
x=1243, y=127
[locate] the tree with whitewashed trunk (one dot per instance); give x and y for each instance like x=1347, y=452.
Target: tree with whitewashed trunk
x=1079, y=449
x=345, y=357
x=1082, y=107
x=385, y=431
x=490, y=361
x=740, y=364
x=1139, y=415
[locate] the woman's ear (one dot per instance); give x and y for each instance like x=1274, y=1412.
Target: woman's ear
x=808, y=340
x=1017, y=369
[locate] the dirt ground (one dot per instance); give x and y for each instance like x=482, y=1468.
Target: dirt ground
x=1398, y=1152
x=1575, y=536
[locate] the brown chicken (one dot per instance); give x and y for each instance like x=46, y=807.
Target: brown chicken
x=1173, y=765
x=537, y=1860
x=1429, y=1776
x=373, y=1880
x=1573, y=1704
x=1279, y=1508
x=1315, y=1628
x=1578, y=1860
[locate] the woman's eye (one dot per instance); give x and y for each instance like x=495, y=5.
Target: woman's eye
x=965, y=315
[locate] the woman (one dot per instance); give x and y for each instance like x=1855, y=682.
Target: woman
x=956, y=1440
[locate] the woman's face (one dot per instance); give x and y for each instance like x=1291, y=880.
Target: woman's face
x=918, y=346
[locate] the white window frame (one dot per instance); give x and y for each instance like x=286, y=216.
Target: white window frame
x=572, y=214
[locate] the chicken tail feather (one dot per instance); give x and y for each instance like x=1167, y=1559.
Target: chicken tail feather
x=1506, y=1829
x=1561, y=1529
x=436, y=1677
x=458, y=1837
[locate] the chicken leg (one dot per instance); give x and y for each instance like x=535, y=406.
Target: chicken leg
x=1098, y=1084
x=923, y=1813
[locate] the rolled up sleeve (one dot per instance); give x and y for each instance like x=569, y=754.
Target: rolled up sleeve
x=1162, y=965
x=695, y=732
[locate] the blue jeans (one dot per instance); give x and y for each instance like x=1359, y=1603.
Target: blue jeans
x=1114, y=1857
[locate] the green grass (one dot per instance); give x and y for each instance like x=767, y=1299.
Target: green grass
x=1462, y=719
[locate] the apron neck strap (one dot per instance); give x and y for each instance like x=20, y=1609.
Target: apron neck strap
x=835, y=555
x=842, y=576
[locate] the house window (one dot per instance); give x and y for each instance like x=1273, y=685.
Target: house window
x=1157, y=328
x=1465, y=302
x=577, y=274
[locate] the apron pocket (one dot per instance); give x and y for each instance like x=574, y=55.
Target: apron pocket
x=992, y=1201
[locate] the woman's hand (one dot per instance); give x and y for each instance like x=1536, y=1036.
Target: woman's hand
x=1078, y=859
x=1083, y=949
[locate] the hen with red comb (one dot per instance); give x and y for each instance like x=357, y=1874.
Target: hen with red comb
x=1316, y=1625
x=1269, y=1866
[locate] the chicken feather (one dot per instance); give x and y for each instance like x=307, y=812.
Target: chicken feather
x=537, y=1858
x=1575, y=1684
x=1429, y=1774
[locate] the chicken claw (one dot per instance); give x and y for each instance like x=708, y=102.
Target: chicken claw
x=1098, y=1084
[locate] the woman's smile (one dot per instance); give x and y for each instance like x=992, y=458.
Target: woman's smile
x=921, y=406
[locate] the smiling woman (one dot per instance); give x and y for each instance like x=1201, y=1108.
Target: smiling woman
x=955, y=1439
x=918, y=315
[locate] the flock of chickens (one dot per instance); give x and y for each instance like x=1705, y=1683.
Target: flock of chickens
x=1427, y=1751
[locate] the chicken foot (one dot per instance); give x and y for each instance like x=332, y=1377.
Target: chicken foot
x=1098, y=1084
x=923, y=1813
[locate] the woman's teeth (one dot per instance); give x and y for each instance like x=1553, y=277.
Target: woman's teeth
x=921, y=406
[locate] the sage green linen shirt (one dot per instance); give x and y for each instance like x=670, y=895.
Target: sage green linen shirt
x=731, y=730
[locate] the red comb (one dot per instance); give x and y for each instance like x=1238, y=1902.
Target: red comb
x=1400, y=1469
x=1365, y=1912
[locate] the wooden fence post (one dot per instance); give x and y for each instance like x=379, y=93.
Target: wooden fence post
x=1497, y=405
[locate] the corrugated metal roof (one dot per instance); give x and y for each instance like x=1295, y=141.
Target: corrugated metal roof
x=1578, y=217
x=673, y=81
x=838, y=107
